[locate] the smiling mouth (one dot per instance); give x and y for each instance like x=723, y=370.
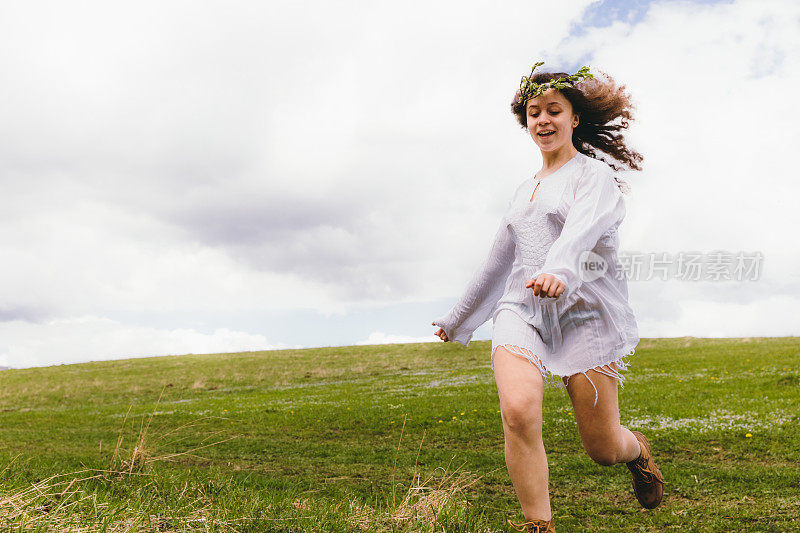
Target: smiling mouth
x=545, y=133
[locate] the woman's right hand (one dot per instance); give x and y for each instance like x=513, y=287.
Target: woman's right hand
x=441, y=334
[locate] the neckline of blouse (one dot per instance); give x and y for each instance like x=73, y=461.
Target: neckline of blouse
x=556, y=171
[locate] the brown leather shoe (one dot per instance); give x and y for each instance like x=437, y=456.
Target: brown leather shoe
x=535, y=526
x=648, y=483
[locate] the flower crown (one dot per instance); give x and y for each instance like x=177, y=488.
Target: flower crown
x=529, y=89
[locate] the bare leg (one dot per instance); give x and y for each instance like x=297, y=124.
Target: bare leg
x=521, y=390
x=603, y=438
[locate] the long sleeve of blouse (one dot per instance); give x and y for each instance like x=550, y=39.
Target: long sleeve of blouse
x=598, y=208
x=482, y=293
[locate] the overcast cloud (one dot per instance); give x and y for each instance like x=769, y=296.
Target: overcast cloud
x=213, y=176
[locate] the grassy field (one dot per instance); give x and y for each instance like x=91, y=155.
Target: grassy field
x=401, y=438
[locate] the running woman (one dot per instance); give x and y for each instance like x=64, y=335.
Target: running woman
x=555, y=290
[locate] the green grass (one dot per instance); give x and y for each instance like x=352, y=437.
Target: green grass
x=310, y=440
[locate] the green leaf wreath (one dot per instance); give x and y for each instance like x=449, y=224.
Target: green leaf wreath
x=529, y=89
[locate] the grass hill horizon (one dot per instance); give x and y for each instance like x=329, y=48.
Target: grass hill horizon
x=389, y=437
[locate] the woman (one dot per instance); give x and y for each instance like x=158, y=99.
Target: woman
x=555, y=290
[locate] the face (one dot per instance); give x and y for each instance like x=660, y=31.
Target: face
x=551, y=112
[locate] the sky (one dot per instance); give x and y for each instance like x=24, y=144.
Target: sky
x=203, y=177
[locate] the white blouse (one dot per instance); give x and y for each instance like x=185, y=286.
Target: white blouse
x=568, y=230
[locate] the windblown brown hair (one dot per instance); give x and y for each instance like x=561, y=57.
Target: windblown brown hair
x=598, y=103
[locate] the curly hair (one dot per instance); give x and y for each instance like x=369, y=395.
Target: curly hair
x=598, y=103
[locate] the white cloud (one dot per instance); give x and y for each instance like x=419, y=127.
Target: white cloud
x=711, y=84
x=87, y=258
x=290, y=141
x=379, y=337
x=701, y=317
x=92, y=339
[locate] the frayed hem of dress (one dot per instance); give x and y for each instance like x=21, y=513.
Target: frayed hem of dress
x=621, y=363
x=547, y=376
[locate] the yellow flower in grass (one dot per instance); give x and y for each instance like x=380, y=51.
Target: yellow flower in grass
x=749, y=435
x=440, y=421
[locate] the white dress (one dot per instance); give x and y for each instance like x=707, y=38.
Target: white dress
x=568, y=230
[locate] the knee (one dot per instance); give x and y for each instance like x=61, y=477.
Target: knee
x=521, y=416
x=602, y=453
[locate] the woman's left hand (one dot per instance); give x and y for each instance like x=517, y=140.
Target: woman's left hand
x=546, y=285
